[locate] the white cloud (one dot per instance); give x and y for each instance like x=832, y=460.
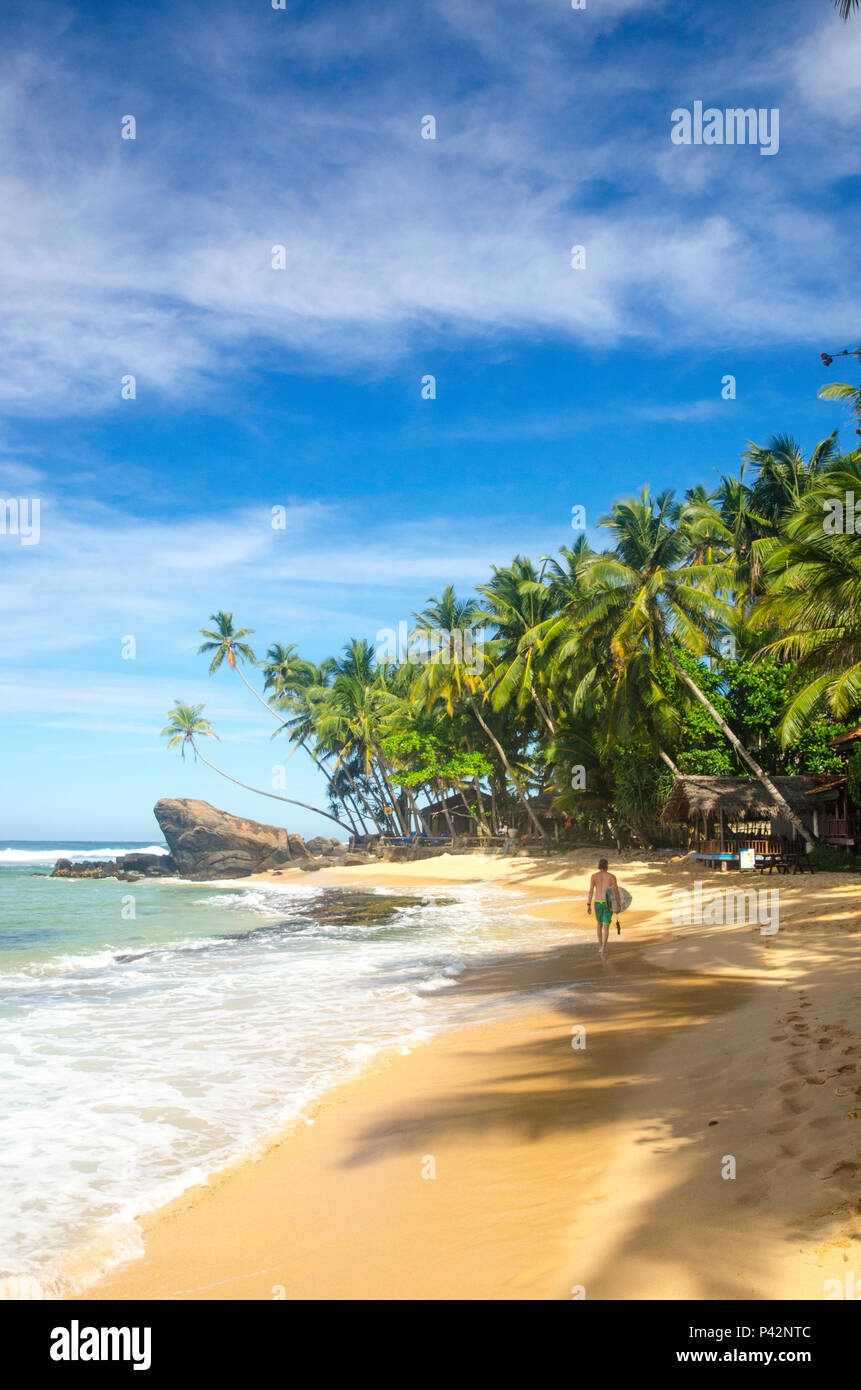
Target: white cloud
x=153, y=257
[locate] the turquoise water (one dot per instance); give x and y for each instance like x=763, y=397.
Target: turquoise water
x=151, y=1032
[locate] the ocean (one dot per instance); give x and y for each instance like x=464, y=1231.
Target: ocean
x=153, y=1032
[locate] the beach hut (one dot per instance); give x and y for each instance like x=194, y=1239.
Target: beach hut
x=836, y=814
x=720, y=811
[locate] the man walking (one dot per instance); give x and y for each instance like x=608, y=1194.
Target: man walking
x=605, y=890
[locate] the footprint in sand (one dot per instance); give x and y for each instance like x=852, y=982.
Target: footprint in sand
x=778, y=1037
x=796, y=1106
x=846, y=1169
x=800, y=1068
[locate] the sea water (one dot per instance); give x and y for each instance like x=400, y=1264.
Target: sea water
x=152, y=1032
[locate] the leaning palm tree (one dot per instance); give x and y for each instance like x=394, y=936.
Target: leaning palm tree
x=186, y=724
x=225, y=641
x=642, y=602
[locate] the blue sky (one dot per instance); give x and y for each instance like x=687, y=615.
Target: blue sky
x=405, y=257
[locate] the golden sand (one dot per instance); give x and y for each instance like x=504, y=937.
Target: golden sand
x=504, y=1161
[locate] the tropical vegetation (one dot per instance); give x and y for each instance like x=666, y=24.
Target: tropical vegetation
x=717, y=632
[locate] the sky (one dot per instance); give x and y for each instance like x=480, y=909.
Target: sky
x=259, y=386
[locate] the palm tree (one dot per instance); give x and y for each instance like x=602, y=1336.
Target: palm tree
x=846, y=7
x=227, y=642
x=452, y=676
x=353, y=717
x=294, y=682
x=815, y=601
x=519, y=603
x=643, y=604
x=185, y=724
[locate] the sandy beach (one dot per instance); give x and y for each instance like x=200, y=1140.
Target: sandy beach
x=584, y=1146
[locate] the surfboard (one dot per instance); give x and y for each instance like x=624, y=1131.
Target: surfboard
x=624, y=899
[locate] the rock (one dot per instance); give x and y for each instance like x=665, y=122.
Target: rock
x=129, y=867
x=358, y=856
x=85, y=868
x=319, y=845
x=152, y=865
x=208, y=843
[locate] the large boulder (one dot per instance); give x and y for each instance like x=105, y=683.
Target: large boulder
x=320, y=845
x=207, y=843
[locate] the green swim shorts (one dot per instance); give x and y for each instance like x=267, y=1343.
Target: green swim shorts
x=603, y=913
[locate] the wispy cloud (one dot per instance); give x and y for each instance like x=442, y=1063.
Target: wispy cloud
x=158, y=261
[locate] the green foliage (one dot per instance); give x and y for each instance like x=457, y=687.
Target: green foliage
x=757, y=693
x=700, y=748
x=831, y=859
x=855, y=774
x=641, y=789
x=421, y=758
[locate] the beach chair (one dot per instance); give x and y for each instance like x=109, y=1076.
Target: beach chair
x=402, y=840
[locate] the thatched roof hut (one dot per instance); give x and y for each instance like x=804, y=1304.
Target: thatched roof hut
x=734, y=798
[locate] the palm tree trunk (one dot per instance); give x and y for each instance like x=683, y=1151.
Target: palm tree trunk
x=733, y=739
x=417, y=813
x=384, y=787
x=670, y=764
x=479, y=801
x=357, y=790
x=545, y=711
x=330, y=779
x=509, y=769
x=272, y=795
x=259, y=698
x=448, y=820
x=396, y=801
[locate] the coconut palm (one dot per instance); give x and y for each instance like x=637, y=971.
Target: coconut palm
x=815, y=602
x=353, y=717
x=297, y=687
x=643, y=603
x=518, y=603
x=185, y=724
x=227, y=642
x=452, y=676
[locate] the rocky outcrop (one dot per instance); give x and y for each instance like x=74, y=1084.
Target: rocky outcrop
x=320, y=845
x=113, y=868
x=207, y=843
